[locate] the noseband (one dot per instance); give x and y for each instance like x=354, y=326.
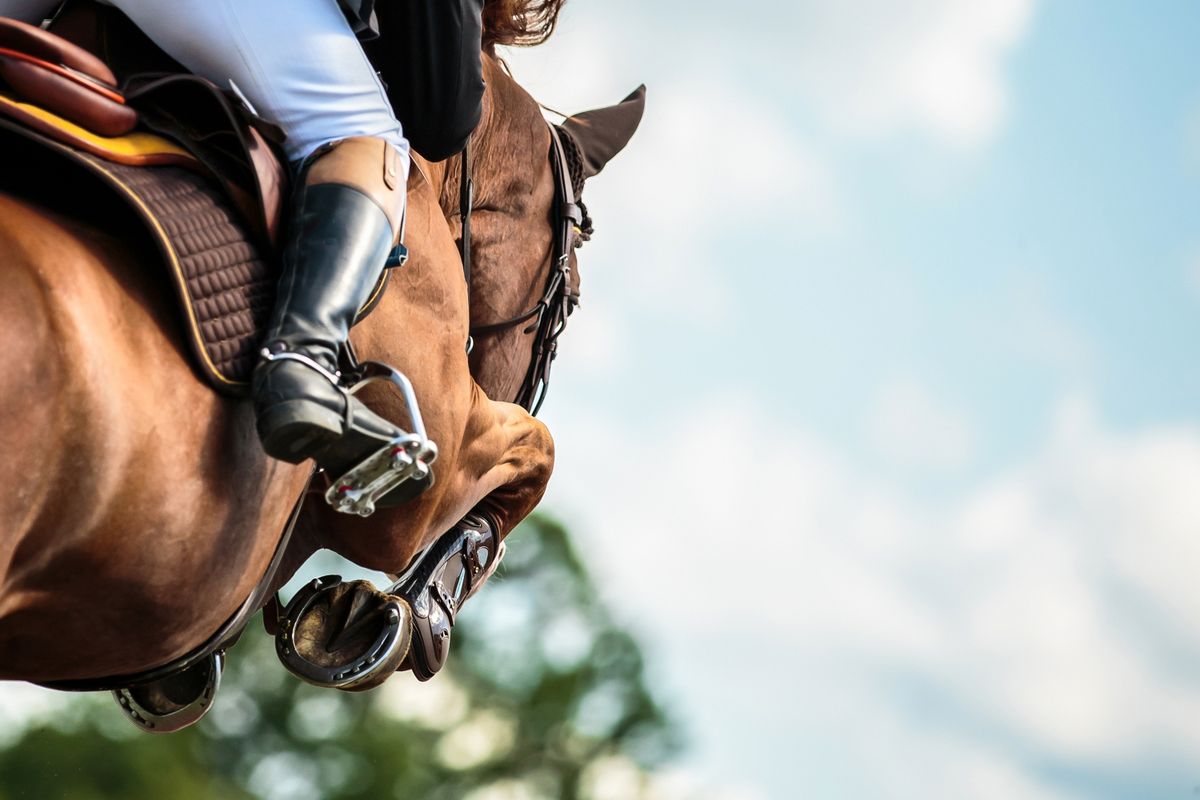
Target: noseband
x=548, y=317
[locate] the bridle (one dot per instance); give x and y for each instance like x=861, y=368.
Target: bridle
x=548, y=317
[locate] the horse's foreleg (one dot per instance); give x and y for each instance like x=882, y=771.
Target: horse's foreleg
x=500, y=464
x=513, y=462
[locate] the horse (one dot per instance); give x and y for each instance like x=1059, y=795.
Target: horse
x=140, y=510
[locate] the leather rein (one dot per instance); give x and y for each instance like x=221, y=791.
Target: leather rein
x=548, y=317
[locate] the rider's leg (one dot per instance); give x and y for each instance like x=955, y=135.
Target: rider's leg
x=345, y=218
x=297, y=62
x=302, y=68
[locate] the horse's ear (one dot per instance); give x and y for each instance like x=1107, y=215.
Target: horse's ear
x=604, y=132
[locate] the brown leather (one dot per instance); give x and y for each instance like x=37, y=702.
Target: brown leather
x=271, y=181
x=195, y=113
x=67, y=96
x=365, y=163
x=137, y=149
x=184, y=107
x=17, y=35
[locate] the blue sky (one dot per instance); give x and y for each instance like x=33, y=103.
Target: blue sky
x=885, y=375
x=879, y=420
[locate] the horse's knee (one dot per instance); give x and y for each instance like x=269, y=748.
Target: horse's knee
x=540, y=445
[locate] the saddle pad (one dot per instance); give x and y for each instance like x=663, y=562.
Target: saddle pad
x=224, y=285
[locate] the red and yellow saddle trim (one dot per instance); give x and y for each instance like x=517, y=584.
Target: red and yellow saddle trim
x=137, y=149
x=87, y=81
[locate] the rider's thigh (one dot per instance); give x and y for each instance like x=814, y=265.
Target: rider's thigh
x=296, y=61
x=31, y=11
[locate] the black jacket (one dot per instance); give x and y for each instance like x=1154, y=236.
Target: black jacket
x=427, y=53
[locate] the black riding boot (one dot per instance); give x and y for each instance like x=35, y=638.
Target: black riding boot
x=337, y=245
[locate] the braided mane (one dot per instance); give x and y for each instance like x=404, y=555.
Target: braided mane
x=518, y=22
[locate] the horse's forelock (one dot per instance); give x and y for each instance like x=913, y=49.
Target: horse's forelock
x=519, y=22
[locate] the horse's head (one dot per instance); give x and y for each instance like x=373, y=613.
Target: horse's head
x=521, y=231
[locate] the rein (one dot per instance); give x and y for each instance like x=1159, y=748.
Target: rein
x=550, y=313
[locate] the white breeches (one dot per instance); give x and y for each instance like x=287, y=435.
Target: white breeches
x=297, y=62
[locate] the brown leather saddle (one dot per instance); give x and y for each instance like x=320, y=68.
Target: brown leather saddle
x=92, y=106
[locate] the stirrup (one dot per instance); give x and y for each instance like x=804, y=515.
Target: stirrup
x=176, y=701
x=446, y=575
x=406, y=458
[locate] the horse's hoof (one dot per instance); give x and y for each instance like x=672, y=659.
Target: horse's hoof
x=347, y=636
x=172, y=703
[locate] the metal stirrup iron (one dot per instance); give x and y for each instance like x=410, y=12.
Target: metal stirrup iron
x=408, y=457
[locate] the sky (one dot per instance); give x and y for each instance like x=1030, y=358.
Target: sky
x=879, y=418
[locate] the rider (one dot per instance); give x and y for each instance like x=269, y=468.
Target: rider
x=300, y=65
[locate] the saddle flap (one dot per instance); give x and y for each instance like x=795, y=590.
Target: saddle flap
x=137, y=149
x=197, y=114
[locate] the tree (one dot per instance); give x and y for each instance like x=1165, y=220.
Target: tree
x=542, y=694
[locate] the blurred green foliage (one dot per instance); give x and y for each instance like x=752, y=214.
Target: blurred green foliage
x=542, y=690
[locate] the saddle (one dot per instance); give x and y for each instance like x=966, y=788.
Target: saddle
x=189, y=162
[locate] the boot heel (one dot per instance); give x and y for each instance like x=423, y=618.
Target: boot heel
x=297, y=430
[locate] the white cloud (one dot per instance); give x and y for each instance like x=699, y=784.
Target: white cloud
x=709, y=159
x=685, y=185
x=911, y=427
x=869, y=67
x=1006, y=603
x=879, y=67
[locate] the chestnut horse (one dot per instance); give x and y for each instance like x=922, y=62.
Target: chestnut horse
x=139, y=510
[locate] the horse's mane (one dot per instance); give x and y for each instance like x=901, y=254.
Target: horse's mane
x=519, y=22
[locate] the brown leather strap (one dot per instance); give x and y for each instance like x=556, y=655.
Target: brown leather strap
x=466, y=202
x=558, y=300
x=83, y=102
